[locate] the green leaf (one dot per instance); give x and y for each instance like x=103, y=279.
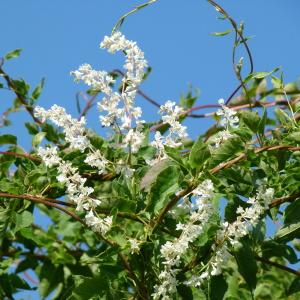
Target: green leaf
x=294, y=137
x=13, y=54
x=23, y=220
x=223, y=33
x=226, y=150
x=274, y=249
x=260, y=75
x=288, y=232
x=38, y=90
x=153, y=172
x=165, y=185
x=32, y=128
x=262, y=123
x=50, y=277
x=282, y=117
x=218, y=287
x=199, y=154
x=291, y=214
x=52, y=132
x=8, y=139
x=246, y=263
x=251, y=119
x=21, y=87
x=294, y=287
x=37, y=139
x=86, y=288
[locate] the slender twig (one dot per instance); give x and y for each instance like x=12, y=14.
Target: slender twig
x=281, y=200
x=123, y=215
x=35, y=198
x=277, y=265
x=48, y=202
x=24, y=155
x=243, y=40
x=88, y=105
x=20, y=97
x=242, y=156
x=170, y=204
x=187, y=113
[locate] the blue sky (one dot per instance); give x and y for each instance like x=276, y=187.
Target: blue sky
x=57, y=36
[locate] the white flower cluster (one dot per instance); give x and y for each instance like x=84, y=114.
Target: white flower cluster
x=177, y=132
x=74, y=134
x=229, y=120
x=77, y=192
x=134, y=246
x=231, y=233
x=173, y=251
x=74, y=130
x=122, y=117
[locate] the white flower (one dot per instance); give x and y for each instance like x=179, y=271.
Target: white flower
x=97, y=160
x=134, y=138
x=122, y=118
x=99, y=80
x=221, y=136
x=134, y=246
x=177, y=132
x=229, y=118
x=173, y=251
x=49, y=155
x=231, y=233
x=97, y=224
x=74, y=130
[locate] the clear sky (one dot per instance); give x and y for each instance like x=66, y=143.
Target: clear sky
x=57, y=36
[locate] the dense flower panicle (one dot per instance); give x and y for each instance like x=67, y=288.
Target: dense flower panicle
x=173, y=251
x=98, y=80
x=99, y=225
x=77, y=192
x=135, y=61
x=229, y=120
x=168, y=285
x=121, y=117
x=74, y=134
x=49, y=155
x=177, y=132
x=74, y=130
x=96, y=159
x=230, y=233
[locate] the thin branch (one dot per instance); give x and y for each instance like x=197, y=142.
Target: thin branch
x=123, y=215
x=88, y=105
x=237, y=30
x=277, y=265
x=47, y=202
x=281, y=200
x=28, y=107
x=188, y=113
x=35, y=198
x=24, y=155
x=242, y=156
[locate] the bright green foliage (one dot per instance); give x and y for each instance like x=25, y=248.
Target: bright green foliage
x=73, y=262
